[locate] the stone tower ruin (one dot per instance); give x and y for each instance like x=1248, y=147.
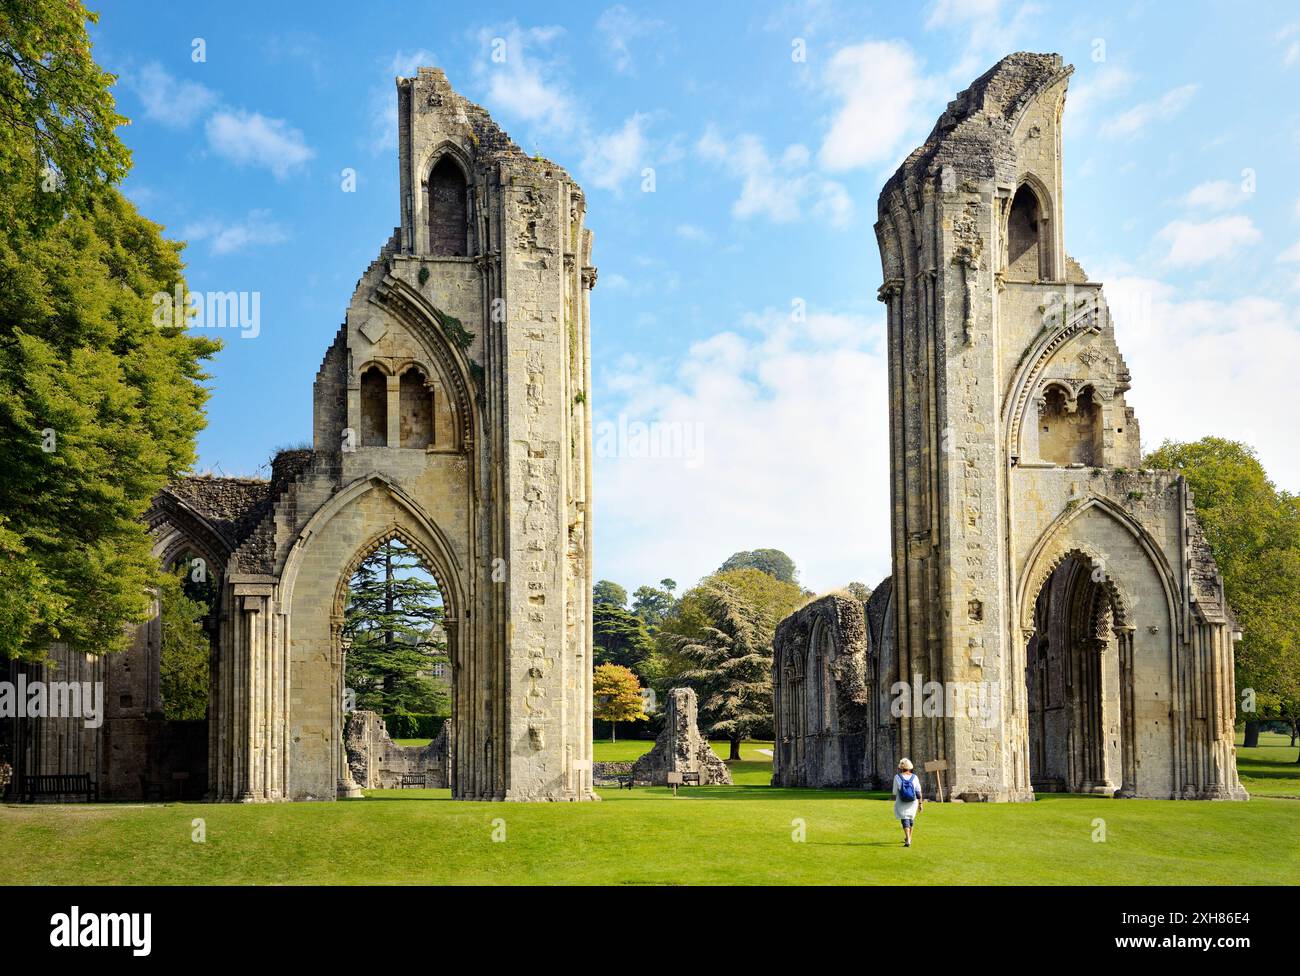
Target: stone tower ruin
x=450, y=412
x=1054, y=621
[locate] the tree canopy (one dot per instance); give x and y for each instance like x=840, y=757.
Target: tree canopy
x=616, y=694
x=99, y=407
x=1253, y=529
x=607, y=593
x=619, y=637
x=771, y=561
x=393, y=623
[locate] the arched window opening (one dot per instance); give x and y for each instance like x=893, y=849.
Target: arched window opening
x=416, y=401
x=374, y=408
x=1069, y=430
x=448, y=210
x=397, y=663
x=1023, y=233
x=187, y=597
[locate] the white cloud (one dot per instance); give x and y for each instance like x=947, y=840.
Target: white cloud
x=879, y=86
x=1203, y=367
x=1194, y=243
x=1216, y=195
x=985, y=31
x=1144, y=114
x=252, y=139
x=383, y=97
x=227, y=237
x=611, y=159
x=785, y=189
x=1086, y=95
x=171, y=102
x=619, y=27
x=690, y=232
x=947, y=13
x=1289, y=38
x=788, y=423
x=520, y=84
x=1291, y=254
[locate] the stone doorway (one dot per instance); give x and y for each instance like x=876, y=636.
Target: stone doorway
x=397, y=669
x=1078, y=679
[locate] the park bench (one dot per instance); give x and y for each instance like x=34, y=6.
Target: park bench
x=151, y=789
x=59, y=784
x=626, y=782
x=412, y=779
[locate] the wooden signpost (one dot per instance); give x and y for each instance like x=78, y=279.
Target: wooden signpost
x=937, y=766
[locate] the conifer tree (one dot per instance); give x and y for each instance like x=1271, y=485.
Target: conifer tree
x=393, y=623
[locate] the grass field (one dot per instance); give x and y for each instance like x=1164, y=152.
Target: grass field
x=711, y=835
x=1269, y=769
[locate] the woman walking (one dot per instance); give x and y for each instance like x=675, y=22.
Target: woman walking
x=907, y=798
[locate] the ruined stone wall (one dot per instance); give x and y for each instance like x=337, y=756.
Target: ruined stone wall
x=680, y=747
x=377, y=762
x=1013, y=448
x=490, y=349
x=824, y=683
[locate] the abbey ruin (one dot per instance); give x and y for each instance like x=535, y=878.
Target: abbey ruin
x=1054, y=620
x=450, y=412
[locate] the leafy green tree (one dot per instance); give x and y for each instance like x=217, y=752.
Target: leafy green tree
x=859, y=591
x=652, y=604
x=99, y=407
x=186, y=648
x=619, y=637
x=616, y=695
x=393, y=622
x=730, y=661
x=58, y=141
x=771, y=561
x=606, y=593
x=1253, y=529
x=768, y=600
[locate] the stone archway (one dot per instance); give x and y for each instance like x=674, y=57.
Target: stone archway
x=339, y=646
x=340, y=537
x=1097, y=660
x=1079, y=682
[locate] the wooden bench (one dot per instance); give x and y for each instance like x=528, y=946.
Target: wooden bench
x=59, y=784
x=151, y=790
x=412, y=779
x=626, y=782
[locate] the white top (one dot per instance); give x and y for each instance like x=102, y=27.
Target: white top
x=902, y=808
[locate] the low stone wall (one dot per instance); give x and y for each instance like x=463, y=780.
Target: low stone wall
x=377, y=762
x=607, y=773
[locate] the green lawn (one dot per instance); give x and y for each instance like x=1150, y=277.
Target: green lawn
x=1269, y=769
x=706, y=835
x=709, y=835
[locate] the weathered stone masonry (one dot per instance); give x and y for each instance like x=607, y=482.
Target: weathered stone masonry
x=451, y=412
x=1032, y=558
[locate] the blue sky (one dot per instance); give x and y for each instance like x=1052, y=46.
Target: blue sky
x=736, y=296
